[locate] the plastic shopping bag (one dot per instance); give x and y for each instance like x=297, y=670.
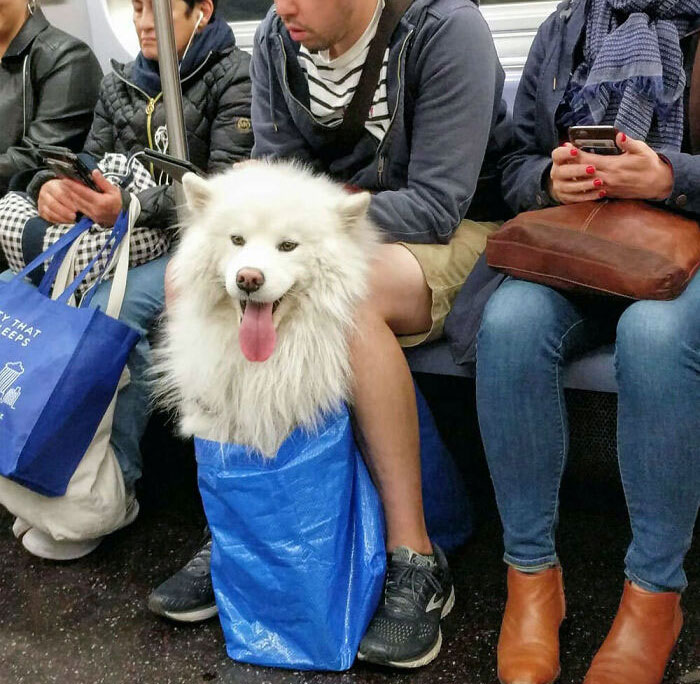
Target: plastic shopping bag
x=298, y=558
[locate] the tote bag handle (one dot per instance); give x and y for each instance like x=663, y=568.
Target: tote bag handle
x=120, y=242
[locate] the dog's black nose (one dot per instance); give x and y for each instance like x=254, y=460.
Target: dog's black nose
x=249, y=280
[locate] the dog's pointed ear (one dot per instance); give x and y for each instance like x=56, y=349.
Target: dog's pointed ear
x=354, y=208
x=197, y=191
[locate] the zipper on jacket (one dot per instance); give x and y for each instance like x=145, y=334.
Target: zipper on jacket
x=380, y=149
x=150, y=108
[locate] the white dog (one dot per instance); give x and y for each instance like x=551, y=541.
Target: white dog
x=269, y=272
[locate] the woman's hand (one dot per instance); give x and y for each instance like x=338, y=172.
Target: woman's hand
x=56, y=203
x=102, y=207
x=637, y=173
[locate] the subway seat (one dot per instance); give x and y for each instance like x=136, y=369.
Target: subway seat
x=593, y=371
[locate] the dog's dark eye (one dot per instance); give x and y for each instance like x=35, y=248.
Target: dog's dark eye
x=237, y=240
x=287, y=246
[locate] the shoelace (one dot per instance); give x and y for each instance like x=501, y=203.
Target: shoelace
x=402, y=576
x=199, y=565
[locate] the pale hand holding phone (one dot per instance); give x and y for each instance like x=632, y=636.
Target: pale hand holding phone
x=637, y=173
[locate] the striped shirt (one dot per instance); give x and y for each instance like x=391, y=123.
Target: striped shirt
x=332, y=82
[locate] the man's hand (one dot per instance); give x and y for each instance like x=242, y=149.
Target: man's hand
x=102, y=207
x=56, y=203
x=637, y=173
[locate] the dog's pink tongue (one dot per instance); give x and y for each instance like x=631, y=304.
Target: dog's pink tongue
x=257, y=335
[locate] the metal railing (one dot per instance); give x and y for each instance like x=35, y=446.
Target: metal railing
x=170, y=83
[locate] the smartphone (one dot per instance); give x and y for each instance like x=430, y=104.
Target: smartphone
x=67, y=164
x=595, y=139
x=175, y=168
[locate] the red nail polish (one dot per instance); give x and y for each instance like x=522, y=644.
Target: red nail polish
x=602, y=194
x=590, y=170
x=597, y=182
x=574, y=151
x=624, y=138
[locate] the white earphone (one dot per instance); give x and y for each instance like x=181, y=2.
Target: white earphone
x=194, y=32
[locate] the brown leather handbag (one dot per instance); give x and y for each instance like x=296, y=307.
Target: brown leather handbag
x=628, y=248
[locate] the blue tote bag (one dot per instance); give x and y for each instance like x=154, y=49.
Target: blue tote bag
x=298, y=558
x=59, y=367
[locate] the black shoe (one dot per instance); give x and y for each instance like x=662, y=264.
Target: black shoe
x=187, y=596
x=418, y=593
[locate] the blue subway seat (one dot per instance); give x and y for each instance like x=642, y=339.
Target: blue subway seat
x=593, y=371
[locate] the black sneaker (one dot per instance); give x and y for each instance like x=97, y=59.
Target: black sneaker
x=187, y=596
x=418, y=593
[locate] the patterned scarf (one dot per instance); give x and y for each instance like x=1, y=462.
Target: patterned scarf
x=632, y=73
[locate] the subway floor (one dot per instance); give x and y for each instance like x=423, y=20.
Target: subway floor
x=86, y=622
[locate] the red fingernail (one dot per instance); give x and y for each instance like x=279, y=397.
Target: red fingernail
x=590, y=170
x=597, y=182
x=624, y=138
x=602, y=194
x=574, y=151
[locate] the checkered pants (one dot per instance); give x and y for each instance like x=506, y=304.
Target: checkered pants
x=16, y=210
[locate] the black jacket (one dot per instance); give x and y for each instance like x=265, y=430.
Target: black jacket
x=49, y=83
x=216, y=105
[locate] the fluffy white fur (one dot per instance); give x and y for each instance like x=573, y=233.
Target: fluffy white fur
x=202, y=371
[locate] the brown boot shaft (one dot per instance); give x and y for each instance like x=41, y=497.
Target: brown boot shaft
x=528, y=648
x=640, y=642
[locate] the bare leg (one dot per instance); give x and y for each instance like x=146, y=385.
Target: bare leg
x=385, y=404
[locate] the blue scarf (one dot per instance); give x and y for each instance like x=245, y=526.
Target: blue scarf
x=632, y=73
x=216, y=37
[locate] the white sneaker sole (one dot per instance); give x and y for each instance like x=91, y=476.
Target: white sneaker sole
x=192, y=616
x=434, y=651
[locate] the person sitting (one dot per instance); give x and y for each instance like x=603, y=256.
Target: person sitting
x=436, y=116
x=576, y=74
x=49, y=82
x=130, y=117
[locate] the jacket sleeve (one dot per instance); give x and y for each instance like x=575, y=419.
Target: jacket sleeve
x=65, y=82
x=230, y=141
x=526, y=168
x=686, y=181
x=100, y=139
x=456, y=74
x=276, y=136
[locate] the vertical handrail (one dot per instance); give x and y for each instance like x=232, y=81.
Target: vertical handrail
x=170, y=83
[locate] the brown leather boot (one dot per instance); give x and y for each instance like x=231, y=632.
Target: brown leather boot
x=528, y=648
x=641, y=639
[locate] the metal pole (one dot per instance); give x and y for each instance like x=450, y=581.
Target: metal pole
x=170, y=83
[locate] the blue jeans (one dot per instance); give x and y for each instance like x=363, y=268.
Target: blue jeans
x=528, y=334
x=143, y=302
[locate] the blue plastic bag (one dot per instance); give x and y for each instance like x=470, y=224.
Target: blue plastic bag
x=59, y=369
x=448, y=513
x=298, y=558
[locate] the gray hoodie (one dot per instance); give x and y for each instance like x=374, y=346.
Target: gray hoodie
x=448, y=121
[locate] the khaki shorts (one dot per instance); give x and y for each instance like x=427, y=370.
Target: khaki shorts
x=445, y=268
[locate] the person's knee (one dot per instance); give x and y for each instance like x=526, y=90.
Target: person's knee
x=516, y=320
x=396, y=287
x=655, y=337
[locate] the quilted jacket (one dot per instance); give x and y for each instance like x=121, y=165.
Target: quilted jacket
x=216, y=104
